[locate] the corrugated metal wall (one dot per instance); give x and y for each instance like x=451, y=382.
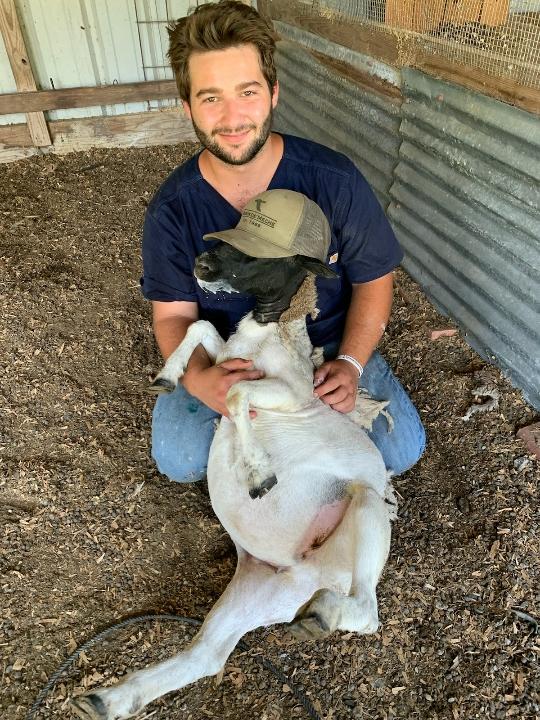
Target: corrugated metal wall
x=466, y=207
x=463, y=174
x=317, y=103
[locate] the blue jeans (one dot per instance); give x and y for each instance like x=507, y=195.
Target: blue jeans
x=183, y=428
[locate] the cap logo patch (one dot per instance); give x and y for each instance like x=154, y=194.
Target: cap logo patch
x=258, y=218
x=259, y=202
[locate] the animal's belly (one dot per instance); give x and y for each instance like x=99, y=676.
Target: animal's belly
x=314, y=459
x=295, y=517
x=320, y=443
x=322, y=526
x=282, y=539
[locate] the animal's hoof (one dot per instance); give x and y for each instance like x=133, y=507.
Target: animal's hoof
x=319, y=617
x=260, y=490
x=89, y=707
x=309, y=627
x=161, y=385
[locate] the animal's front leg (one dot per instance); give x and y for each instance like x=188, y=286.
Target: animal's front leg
x=256, y=596
x=200, y=332
x=367, y=523
x=265, y=394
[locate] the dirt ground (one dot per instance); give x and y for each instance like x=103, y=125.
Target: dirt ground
x=92, y=533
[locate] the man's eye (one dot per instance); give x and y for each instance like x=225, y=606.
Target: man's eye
x=247, y=93
x=210, y=99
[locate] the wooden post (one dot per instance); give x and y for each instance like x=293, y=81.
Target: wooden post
x=22, y=71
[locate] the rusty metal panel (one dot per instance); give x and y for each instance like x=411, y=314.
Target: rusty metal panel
x=318, y=103
x=466, y=208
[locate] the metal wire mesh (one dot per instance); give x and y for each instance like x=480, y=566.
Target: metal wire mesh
x=499, y=37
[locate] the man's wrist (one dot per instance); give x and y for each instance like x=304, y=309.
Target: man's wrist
x=199, y=362
x=352, y=361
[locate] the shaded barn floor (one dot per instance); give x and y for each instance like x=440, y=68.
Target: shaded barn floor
x=91, y=533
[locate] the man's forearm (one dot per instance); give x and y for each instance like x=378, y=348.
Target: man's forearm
x=169, y=333
x=367, y=318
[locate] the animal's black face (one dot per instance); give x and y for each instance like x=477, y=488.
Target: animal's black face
x=224, y=266
x=273, y=281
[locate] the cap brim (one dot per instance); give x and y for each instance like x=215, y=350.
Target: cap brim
x=249, y=244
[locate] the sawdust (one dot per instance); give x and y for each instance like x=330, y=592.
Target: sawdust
x=91, y=533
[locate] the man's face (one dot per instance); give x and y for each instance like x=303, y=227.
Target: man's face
x=230, y=103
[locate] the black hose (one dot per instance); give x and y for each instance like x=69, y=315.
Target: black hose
x=297, y=692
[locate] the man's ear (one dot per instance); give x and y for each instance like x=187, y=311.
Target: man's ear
x=187, y=109
x=316, y=267
x=275, y=94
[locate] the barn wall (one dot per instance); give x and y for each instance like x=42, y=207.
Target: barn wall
x=459, y=175
x=320, y=104
x=89, y=43
x=466, y=207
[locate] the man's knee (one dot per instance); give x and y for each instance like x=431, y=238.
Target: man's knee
x=182, y=431
x=405, y=444
x=177, y=466
x=411, y=450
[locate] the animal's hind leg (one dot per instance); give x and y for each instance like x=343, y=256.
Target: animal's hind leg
x=257, y=596
x=366, y=526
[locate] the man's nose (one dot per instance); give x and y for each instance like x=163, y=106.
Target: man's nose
x=232, y=116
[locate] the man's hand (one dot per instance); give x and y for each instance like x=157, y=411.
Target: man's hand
x=336, y=384
x=211, y=384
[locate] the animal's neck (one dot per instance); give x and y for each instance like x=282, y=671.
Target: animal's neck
x=267, y=311
x=295, y=304
x=303, y=302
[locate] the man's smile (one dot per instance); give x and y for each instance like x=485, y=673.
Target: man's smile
x=234, y=138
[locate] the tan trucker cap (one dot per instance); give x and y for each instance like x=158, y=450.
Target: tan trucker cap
x=279, y=223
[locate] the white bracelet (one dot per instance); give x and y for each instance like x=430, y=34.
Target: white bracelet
x=353, y=361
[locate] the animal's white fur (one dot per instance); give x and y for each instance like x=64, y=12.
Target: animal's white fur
x=331, y=485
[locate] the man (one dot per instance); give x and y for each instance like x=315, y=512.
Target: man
x=222, y=57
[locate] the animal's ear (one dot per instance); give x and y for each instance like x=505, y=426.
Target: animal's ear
x=316, y=267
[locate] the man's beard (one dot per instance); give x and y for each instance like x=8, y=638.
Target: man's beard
x=249, y=153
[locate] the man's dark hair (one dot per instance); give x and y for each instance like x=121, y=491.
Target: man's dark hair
x=218, y=26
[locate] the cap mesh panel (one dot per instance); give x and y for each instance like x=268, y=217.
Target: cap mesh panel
x=313, y=235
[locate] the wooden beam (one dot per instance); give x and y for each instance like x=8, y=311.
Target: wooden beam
x=86, y=96
x=159, y=127
x=22, y=71
x=415, y=15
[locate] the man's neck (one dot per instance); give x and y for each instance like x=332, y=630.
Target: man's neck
x=239, y=183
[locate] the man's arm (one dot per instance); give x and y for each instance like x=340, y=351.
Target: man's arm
x=336, y=380
x=170, y=322
x=208, y=382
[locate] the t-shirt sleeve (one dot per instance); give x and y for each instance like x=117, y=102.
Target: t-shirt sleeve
x=369, y=248
x=167, y=262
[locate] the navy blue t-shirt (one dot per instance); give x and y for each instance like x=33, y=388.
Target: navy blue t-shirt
x=186, y=207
